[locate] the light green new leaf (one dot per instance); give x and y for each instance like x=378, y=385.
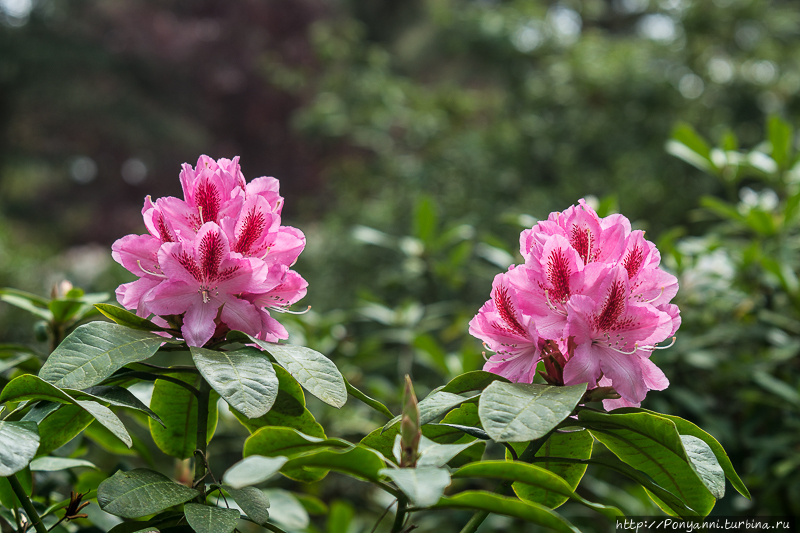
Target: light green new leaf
x=53, y=464
x=532, y=475
x=252, y=501
x=252, y=470
x=18, y=444
x=123, y=317
x=244, y=378
x=140, y=492
x=493, y=503
x=573, y=445
x=286, y=510
x=208, y=519
x=652, y=445
x=177, y=407
x=519, y=412
x=96, y=350
x=315, y=372
x=433, y=406
x=423, y=485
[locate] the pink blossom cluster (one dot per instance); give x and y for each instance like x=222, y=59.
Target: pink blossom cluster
x=591, y=289
x=219, y=259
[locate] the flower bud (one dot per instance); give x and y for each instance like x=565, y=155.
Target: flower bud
x=410, y=430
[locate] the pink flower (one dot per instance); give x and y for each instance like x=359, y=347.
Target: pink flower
x=592, y=290
x=216, y=260
x=508, y=333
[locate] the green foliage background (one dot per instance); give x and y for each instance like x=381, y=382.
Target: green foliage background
x=414, y=140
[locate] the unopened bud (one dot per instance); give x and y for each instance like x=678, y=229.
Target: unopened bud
x=410, y=430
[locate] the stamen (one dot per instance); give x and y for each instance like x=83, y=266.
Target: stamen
x=200, y=210
x=139, y=262
x=284, y=310
x=656, y=298
x=657, y=347
x=552, y=306
x=635, y=349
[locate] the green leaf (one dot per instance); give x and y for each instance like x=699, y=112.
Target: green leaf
x=12, y=362
x=375, y=404
x=252, y=501
x=280, y=441
x=340, y=517
x=425, y=219
x=469, y=381
x=286, y=412
x=177, y=407
x=423, y=485
x=653, y=445
x=433, y=406
x=123, y=317
x=315, y=372
x=154, y=525
x=30, y=387
x=531, y=475
x=687, y=428
x=96, y=350
x=521, y=412
x=67, y=309
x=208, y=519
x=574, y=445
x=252, y=470
x=27, y=301
x=438, y=455
x=141, y=492
x=493, y=503
x=53, y=464
x=686, y=144
x=116, y=396
x=705, y=464
x=721, y=208
x=244, y=378
x=313, y=505
x=780, y=136
x=286, y=510
x=359, y=461
x=18, y=444
x=61, y=426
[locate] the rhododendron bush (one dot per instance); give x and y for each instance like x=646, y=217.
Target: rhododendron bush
x=572, y=326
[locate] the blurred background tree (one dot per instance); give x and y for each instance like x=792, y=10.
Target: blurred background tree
x=414, y=140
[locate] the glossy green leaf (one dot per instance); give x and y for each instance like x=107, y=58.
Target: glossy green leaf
x=520, y=412
x=493, y=503
x=61, y=426
x=123, y=317
x=687, y=428
x=116, y=396
x=438, y=455
x=653, y=445
x=433, y=406
x=286, y=412
x=53, y=464
x=423, y=485
x=252, y=470
x=315, y=372
x=281, y=441
x=372, y=402
x=573, y=445
x=252, y=501
x=40, y=410
x=286, y=510
x=244, y=378
x=154, y=525
x=19, y=442
x=96, y=350
x=30, y=387
x=141, y=492
x=531, y=475
x=177, y=407
x=359, y=461
x=208, y=519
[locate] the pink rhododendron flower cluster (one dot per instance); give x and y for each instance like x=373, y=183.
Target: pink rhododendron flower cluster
x=219, y=259
x=590, y=301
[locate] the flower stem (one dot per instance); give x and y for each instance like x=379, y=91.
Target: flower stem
x=399, y=518
x=526, y=457
x=26, y=504
x=203, y=397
